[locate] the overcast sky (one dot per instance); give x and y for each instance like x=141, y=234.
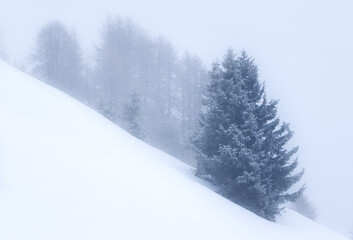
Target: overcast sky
x=304, y=50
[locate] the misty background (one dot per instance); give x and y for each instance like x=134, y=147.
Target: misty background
x=303, y=50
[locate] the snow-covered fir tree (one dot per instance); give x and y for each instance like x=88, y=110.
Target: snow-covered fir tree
x=240, y=142
x=132, y=116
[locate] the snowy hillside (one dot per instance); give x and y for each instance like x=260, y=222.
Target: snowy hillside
x=68, y=173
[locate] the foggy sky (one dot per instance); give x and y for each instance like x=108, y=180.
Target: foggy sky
x=304, y=51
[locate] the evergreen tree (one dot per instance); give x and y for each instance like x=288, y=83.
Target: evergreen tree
x=132, y=116
x=240, y=143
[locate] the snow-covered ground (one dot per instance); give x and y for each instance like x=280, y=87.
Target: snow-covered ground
x=68, y=173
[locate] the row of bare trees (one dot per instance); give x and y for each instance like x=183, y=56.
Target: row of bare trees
x=128, y=63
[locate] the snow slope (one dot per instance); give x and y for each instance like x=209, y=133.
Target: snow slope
x=68, y=173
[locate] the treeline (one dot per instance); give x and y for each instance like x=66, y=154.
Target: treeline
x=143, y=85
x=137, y=81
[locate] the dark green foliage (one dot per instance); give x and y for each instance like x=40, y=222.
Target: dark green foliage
x=240, y=142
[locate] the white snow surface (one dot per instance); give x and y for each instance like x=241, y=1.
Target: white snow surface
x=68, y=173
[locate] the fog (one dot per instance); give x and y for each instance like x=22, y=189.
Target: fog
x=304, y=51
